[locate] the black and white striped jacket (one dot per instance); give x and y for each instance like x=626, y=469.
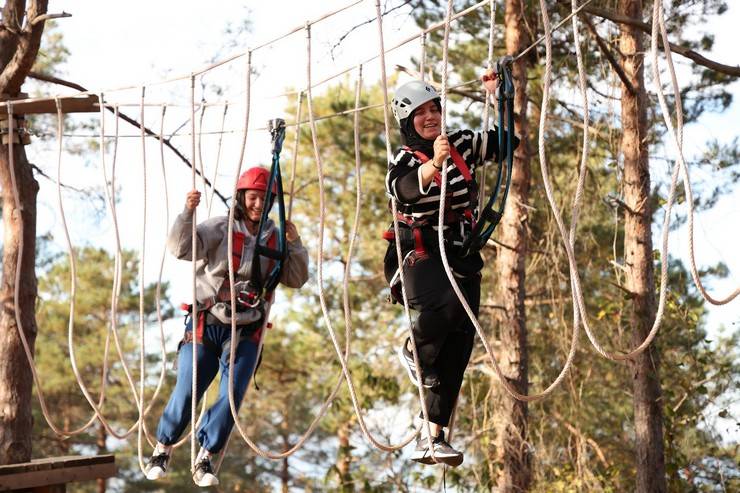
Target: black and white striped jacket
x=417, y=204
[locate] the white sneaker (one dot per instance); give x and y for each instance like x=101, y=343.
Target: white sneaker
x=156, y=468
x=443, y=452
x=203, y=475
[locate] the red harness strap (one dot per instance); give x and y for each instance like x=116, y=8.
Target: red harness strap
x=237, y=247
x=415, y=226
x=462, y=166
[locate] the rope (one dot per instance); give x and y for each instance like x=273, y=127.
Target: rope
x=345, y=293
x=158, y=291
x=423, y=57
x=676, y=136
x=575, y=277
x=142, y=258
x=118, y=263
x=487, y=105
x=204, y=181
x=299, y=106
x=453, y=282
x=200, y=71
x=399, y=255
x=264, y=453
x=218, y=157
x=194, y=310
x=18, y=216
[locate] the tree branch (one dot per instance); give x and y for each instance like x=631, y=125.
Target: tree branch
x=14, y=73
x=126, y=118
x=604, y=48
x=438, y=86
x=46, y=17
x=369, y=21
x=681, y=50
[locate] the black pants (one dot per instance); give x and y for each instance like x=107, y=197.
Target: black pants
x=443, y=332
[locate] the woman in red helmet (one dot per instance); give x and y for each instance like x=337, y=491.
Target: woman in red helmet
x=214, y=330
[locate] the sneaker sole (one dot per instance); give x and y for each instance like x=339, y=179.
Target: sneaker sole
x=207, y=481
x=452, y=460
x=155, y=474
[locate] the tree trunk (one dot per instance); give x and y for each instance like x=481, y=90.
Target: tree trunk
x=638, y=252
x=16, y=421
x=102, y=449
x=285, y=465
x=18, y=50
x=512, y=435
x=344, y=459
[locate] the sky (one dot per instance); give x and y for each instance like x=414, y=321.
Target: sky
x=133, y=43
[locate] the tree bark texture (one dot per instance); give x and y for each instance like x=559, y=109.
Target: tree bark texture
x=512, y=434
x=16, y=381
x=102, y=449
x=344, y=459
x=19, y=44
x=638, y=252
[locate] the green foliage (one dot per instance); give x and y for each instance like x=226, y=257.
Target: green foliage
x=91, y=325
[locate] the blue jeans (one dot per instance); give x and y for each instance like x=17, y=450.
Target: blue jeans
x=217, y=422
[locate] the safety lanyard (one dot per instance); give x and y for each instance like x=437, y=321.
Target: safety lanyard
x=278, y=255
x=488, y=217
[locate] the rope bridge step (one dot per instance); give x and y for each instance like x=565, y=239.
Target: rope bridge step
x=52, y=474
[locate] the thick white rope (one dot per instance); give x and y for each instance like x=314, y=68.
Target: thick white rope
x=142, y=258
x=294, y=161
x=397, y=233
x=194, y=310
x=73, y=289
x=676, y=136
x=17, y=216
x=423, y=56
x=575, y=277
x=345, y=293
x=206, y=198
x=487, y=105
x=482, y=181
x=218, y=157
x=453, y=282
x=259, y=451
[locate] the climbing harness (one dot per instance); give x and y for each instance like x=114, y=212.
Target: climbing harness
x=488, y=217
x=451, y=216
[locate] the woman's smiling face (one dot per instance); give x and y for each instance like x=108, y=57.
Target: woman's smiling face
x=428, y=120
x=254, y=201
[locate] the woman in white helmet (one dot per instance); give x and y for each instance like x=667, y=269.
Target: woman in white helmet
x=442, y=331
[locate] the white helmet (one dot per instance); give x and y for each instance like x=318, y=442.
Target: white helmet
x=410, y=96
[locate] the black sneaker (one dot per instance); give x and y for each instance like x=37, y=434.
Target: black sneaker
x=443, y=451
x=156, y=468
x=430, y=380
x=203, y=474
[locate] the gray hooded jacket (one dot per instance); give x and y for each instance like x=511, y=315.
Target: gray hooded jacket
x=212, y=260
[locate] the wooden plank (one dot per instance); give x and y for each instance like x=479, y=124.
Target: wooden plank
x=55, y=471
x=72, y=104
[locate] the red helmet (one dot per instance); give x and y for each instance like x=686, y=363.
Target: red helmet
x=255, y=179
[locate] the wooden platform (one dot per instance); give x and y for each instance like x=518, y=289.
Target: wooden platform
x=51, y=475
x=70, y=104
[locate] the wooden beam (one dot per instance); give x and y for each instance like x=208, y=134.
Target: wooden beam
x=56, y=471
x=70, y=104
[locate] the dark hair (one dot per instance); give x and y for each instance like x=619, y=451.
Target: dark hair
x=239, y=213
